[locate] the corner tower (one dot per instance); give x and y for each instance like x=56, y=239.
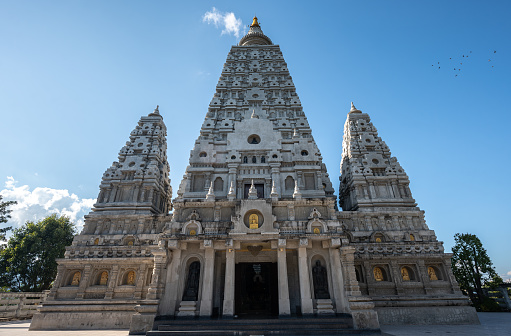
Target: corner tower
x=109, y=266
x=399, y=262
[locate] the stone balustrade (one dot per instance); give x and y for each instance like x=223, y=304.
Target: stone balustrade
x=20, y=305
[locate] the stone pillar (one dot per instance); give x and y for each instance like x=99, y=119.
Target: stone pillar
x=58, y=282
x=169, y=299
x=423, y=274
x=303, y=270
x=140, y=281
x=155, y=288
x=112, y=279
x=228, y=309
x=206, y=305
x=396, y=275
x=83, y=282
x=341, y=303
x=284, y=308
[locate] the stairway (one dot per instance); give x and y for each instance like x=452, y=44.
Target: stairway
x=338, y=325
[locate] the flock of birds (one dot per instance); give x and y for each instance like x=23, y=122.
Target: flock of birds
x=457, y=64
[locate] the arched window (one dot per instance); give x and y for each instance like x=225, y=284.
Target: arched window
x=254, y=159
x=245, y=159
x=289, y=183
x=219, y=184
x=192, y=282
x=263, y=159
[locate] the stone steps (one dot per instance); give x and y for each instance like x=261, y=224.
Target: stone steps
x=341, y=325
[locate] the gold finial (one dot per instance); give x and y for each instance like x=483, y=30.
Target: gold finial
x=254, y=22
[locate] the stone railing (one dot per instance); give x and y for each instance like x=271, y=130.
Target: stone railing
x=20, y=305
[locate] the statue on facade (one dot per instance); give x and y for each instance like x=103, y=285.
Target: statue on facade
x=192, y=284
x=320, y=281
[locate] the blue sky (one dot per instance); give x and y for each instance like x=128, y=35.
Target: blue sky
x=75, y=77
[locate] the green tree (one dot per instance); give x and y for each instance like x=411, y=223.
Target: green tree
x=28, y=262
x=4, y=217
x=472, y=267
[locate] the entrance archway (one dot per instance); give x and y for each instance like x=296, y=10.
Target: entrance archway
x=256, y=290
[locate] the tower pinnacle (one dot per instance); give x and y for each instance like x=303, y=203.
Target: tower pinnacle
x=255, y=35
x=255, y=23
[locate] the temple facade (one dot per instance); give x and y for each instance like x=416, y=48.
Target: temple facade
x=255, y=229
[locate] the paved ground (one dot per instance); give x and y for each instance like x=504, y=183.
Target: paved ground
x=494, y=324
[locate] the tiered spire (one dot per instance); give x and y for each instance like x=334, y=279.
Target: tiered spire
x=255, y=129
x=139, y=181
x=370, y=176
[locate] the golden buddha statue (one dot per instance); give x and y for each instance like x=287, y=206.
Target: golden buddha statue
x=316, y=230
x=378, y=274
x=76, y=279
x=193, y=232
x=253, y=221
x=432, y=274
x=104, y=279
x=404, y=274
x=131, y=278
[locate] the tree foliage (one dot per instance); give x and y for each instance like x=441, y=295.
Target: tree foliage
x=4, y=216
x=28, y=262
x=472, y=266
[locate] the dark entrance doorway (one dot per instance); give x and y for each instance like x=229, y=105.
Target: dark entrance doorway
x=256, y=290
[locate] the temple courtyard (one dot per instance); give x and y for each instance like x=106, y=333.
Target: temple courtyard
x=496, y=324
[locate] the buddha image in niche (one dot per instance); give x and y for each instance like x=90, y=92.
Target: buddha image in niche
x=404, y=274
x=253, y=221
x=76, y=279
x=131, y=278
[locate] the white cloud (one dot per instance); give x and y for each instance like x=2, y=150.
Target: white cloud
x=41, y=202
x=507, y=277
x=227, y=21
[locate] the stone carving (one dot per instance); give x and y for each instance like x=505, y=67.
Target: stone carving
x=254, y=250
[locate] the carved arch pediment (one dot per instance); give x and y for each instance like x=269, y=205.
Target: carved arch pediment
x=192, y=228
x=316, y=223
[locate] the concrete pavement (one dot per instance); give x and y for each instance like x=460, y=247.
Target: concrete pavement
x=494, y=324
